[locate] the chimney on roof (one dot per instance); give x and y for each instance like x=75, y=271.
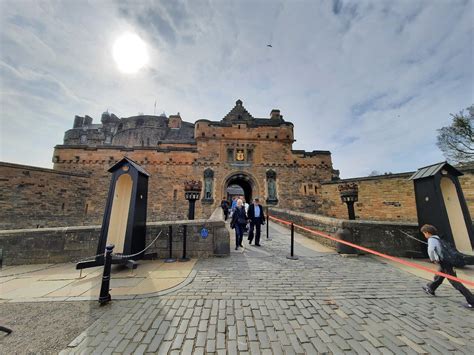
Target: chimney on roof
x=275, y=114
x=174, y=121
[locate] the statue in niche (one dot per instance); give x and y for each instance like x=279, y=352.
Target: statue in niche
x=271, y=189
x=208, y=184
x=271, y=185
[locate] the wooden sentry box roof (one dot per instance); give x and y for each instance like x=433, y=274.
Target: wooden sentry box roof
x=126, y=160
x=432, y=170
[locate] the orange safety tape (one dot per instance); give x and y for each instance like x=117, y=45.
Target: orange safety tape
x=393, y=258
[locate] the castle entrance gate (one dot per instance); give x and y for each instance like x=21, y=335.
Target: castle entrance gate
x=240, y=184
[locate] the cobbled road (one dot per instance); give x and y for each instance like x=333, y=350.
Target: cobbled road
x=259, y=302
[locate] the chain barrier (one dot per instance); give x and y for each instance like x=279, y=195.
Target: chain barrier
x=140, y=252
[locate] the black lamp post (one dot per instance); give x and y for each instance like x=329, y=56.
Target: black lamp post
x=349, y=194
x=192, y=192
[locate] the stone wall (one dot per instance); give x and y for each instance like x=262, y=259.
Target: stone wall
x=72, y=244
x=170, y=168
x=382, y=236
x=385, y=198
x=32, y=197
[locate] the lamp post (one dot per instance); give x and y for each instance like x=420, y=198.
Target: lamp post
x=192, y=192
x=349, y=194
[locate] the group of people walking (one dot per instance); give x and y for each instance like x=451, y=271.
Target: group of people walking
x=241, y=217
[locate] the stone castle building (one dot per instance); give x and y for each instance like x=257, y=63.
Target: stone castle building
x=236, y=153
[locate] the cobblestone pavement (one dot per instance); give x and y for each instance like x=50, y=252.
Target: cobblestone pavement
x=259, y=302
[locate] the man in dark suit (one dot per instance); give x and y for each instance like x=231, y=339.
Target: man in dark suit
x=257, y=218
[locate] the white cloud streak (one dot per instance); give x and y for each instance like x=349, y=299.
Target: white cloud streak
x=369, y=80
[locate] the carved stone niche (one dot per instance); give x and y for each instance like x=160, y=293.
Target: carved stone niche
x=271, y=188
x=208, y=186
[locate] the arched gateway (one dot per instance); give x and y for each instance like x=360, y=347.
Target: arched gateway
x=253, y=155
x=246, y=183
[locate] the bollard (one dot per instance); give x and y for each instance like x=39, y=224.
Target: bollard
x=292, y=251
x=104, y=297
x=268, y=219
x=185, y=232
x=170, y=245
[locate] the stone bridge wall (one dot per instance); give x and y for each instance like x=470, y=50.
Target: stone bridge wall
x=382, y=236
x=72, y=244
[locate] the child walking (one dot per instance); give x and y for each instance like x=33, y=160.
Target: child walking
x=435, y=252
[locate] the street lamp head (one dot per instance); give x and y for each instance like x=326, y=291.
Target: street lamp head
x=349, y=192
x=192, y=189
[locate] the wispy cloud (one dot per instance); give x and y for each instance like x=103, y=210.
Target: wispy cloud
x=369, y=80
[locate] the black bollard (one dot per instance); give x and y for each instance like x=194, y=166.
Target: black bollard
x=104, y=297
x=292, y=252
x=170, y=246
x=185, y=232
x=268, y=225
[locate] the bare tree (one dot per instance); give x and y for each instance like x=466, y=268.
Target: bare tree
x=457, y=140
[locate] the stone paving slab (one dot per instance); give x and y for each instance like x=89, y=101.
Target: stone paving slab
x=259, y=302
x=49, y=282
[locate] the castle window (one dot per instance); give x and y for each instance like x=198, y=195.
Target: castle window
x=85, y=209
x=230, y=154
x=305, y=192
x=62, y=207
x=203, y=134
x=249, y=154
x=175, y=194
x=120, y=127
x=143, y=143
x=148, y=141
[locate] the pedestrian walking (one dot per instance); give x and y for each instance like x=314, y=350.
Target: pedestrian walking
x=238, y=222
x=257, y=219
x=233, y=205
x=441, y=257
x=225, y=208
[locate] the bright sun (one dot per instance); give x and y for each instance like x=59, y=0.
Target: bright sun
x=130, y=53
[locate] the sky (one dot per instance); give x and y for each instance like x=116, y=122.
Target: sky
x=371, y=81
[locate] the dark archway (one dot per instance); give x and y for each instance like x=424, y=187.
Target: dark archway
x=243, y=181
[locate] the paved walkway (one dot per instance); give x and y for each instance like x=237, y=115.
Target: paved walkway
x=258, y=302
x=62, y=282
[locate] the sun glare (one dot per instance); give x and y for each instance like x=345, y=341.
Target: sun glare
x=130, y=53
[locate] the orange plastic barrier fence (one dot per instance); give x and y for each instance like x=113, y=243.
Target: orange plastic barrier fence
x=393, y=258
